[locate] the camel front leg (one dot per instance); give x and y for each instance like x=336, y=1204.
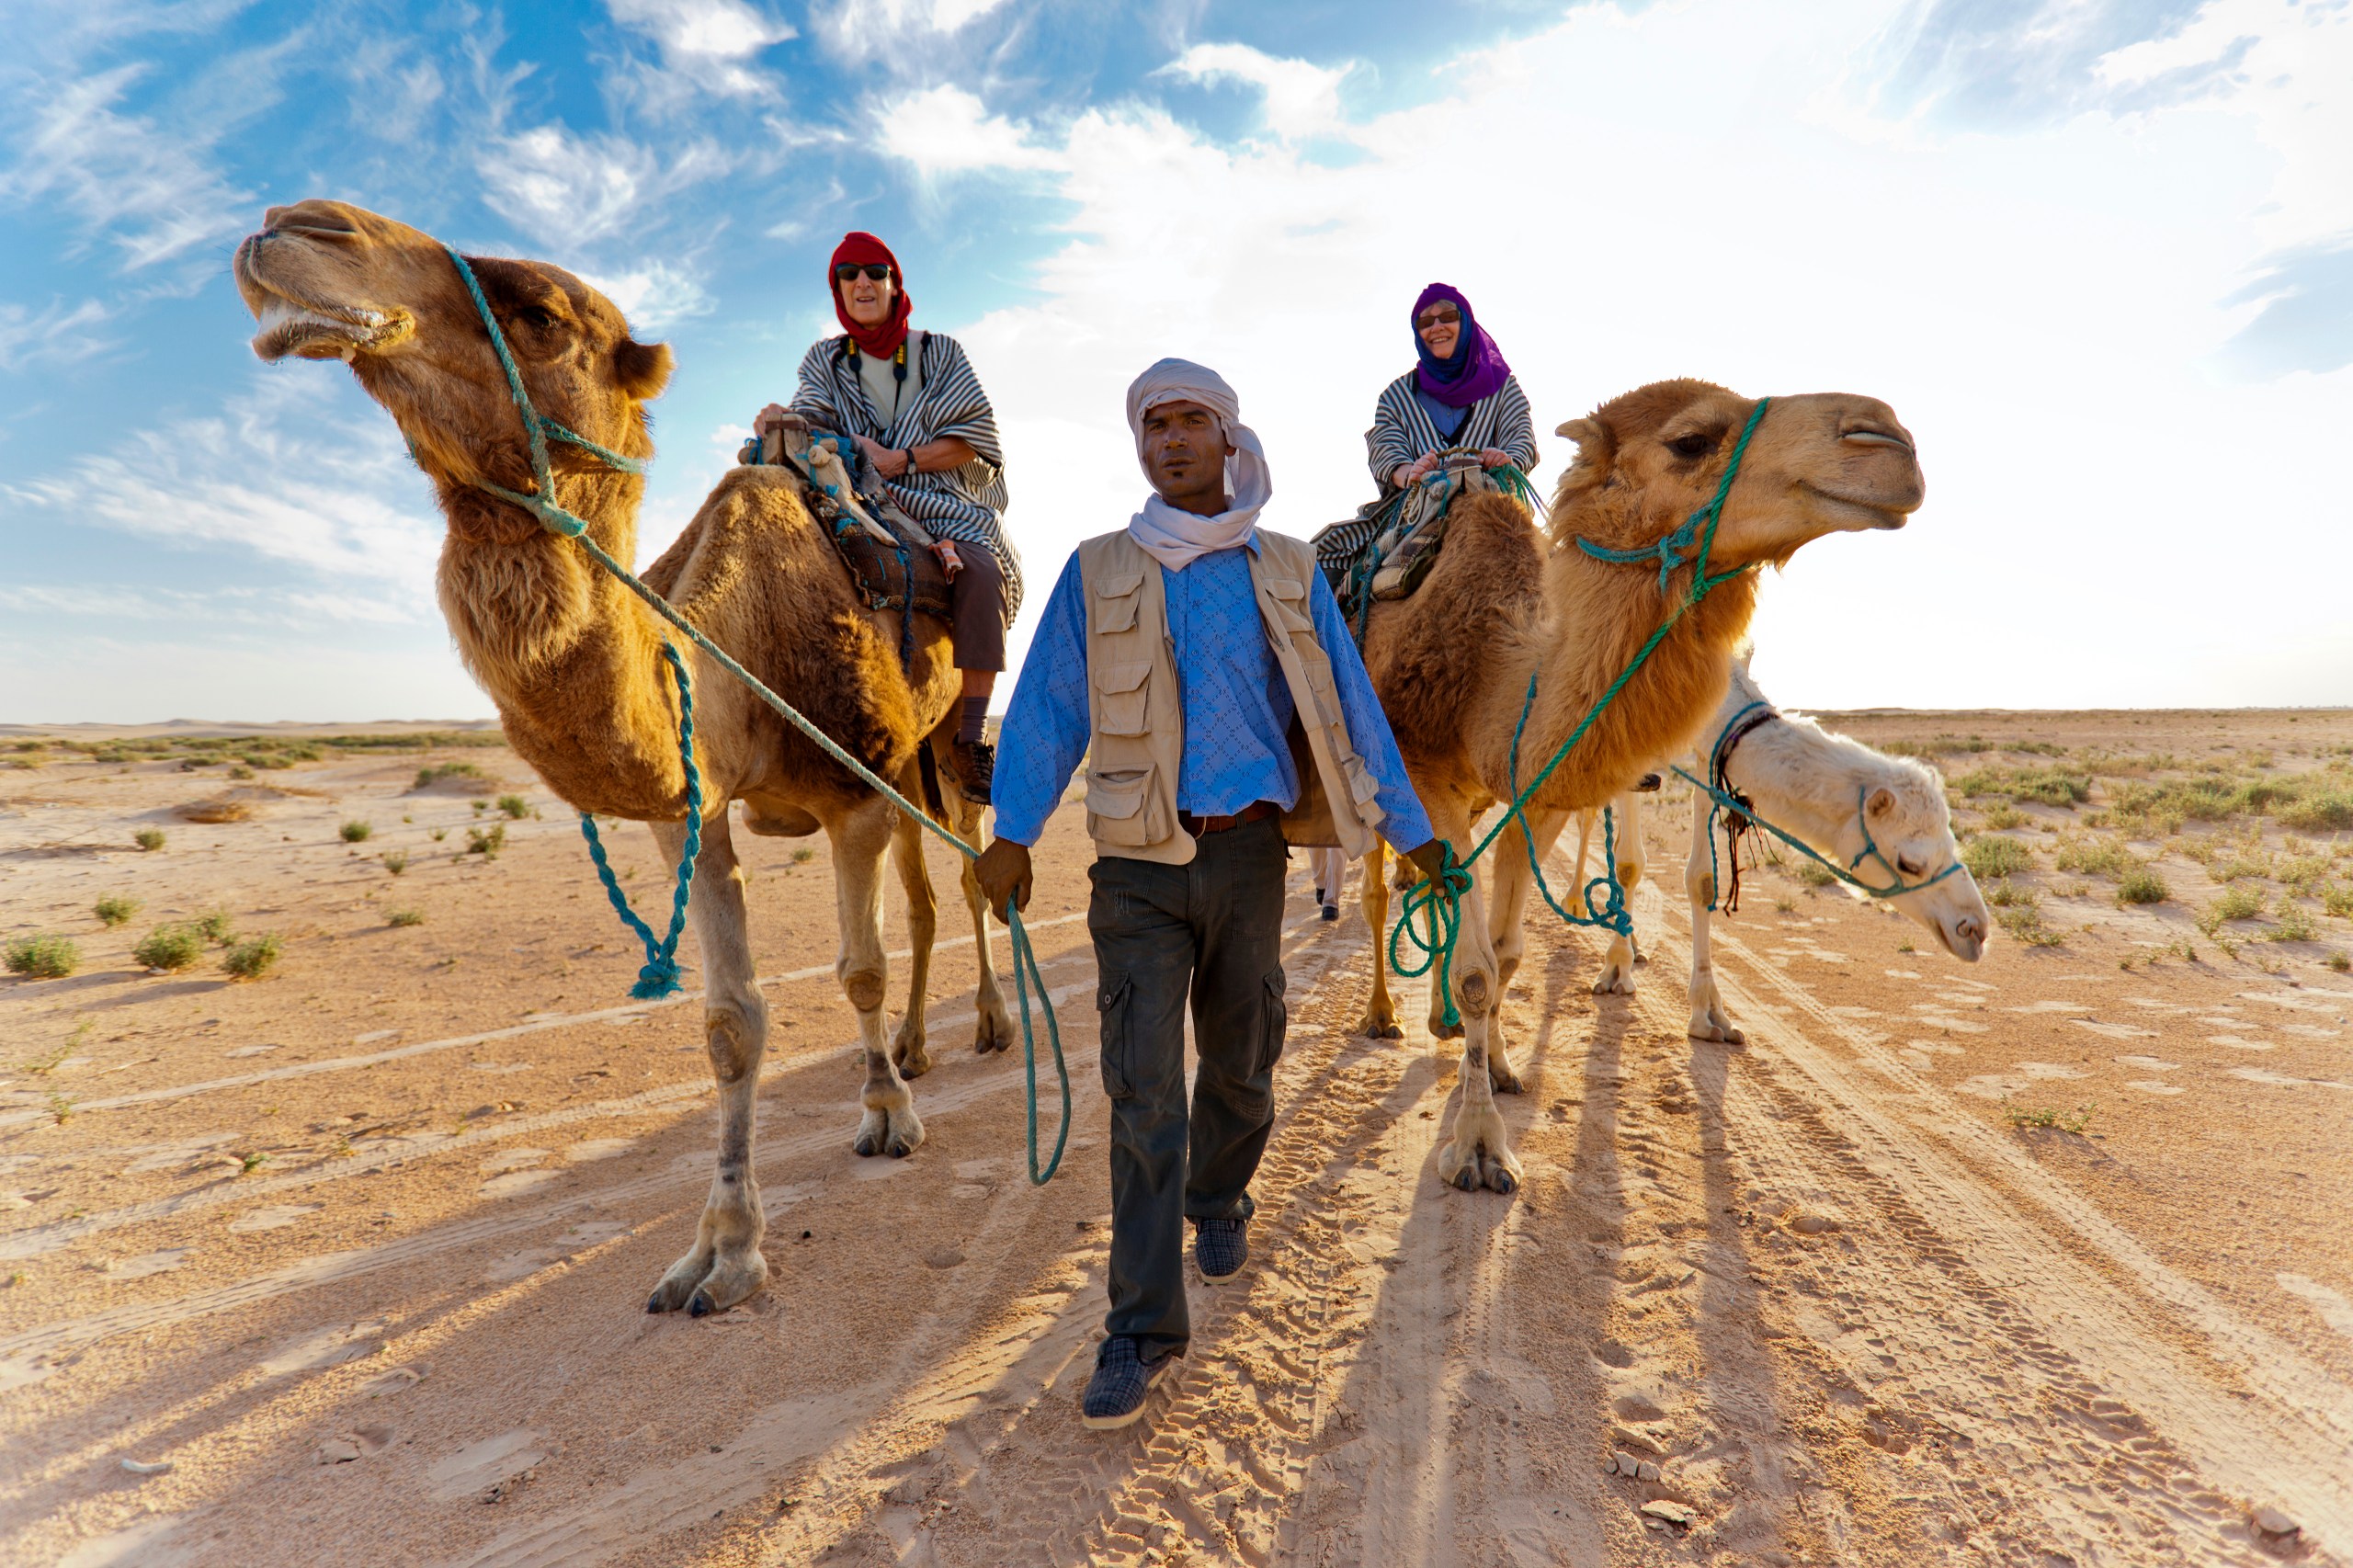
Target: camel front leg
x=1478, y=1150
x=992, y=1029
x=1509, y=927
x=725, y=1263
x=889, y=1124
x=1617, y=976
x=907, y=1047
x=1708, y=1019
x=1379, y=1020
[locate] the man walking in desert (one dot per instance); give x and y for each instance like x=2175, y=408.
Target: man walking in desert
x=1202, y=667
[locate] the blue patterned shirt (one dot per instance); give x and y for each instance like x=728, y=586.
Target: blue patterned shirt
x=1237, y=706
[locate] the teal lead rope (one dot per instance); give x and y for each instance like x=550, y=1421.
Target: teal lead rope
x=660, y=975
x=544, y=507
x=1441, y=900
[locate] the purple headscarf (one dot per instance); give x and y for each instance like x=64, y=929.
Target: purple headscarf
x=1475, y=369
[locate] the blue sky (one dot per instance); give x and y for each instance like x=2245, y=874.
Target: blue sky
x=2097, y=253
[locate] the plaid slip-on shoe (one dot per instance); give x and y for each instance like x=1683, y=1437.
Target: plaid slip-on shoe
x=1221, y=1247
x=1115, y=1394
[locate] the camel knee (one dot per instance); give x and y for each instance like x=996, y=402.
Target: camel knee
x=864, y=988
x=1477, y=992
x=1702, y=887
x=733, y=1032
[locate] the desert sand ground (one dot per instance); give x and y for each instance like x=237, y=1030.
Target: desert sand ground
x=350, y=1259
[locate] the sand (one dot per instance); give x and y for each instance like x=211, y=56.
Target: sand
x=359, y=1251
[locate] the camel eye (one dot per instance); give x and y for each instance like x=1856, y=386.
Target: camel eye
x=1908, y=866
x=1692, y=446
x=538, y=316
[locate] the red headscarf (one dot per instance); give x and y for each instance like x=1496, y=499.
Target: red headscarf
x=882, y=339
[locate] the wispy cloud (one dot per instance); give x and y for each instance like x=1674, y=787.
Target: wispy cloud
x=54, y=336
x=2014, y=63
x=707, y=46
x=947, y=130
x=570, y=190
x=150, y=189
x=863, y=31
x=1302, y=97
x=654, y=295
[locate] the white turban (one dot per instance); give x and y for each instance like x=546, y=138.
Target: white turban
x=1175, y=537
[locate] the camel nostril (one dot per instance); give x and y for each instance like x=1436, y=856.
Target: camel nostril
x=1874, y=436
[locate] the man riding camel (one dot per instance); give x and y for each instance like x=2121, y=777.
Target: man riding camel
x=1200, y=666
x=916, y=411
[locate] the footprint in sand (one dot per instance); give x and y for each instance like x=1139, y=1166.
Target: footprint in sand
x=165, y=1156
x=484, y=1465
x=592, y=1149
x=2113, y=1031
x=500, y=1066
x=2308, y=1031
x=145, y=1264
x=520, y=1265
x=2153, y=1087
x=2155, y=1006
x=23, y=1371
x=325, y=1347
x=275, y=1217
x=2332, y=1306
x=514, y=1184
x=513, y=1159
x=2236, y=1043
x=1902, y=974
x=2051, y=1005
x=249, y=1050
x=2149, y=1063
x=142, y=1545
x=2281, y=1080
x=2049, y=1070
x=372, y=1036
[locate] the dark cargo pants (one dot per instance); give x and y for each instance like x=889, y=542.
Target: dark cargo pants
x=1212, y=930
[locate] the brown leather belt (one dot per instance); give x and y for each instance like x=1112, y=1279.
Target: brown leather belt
x=1197, y=827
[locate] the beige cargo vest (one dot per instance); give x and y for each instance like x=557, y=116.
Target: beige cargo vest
x=1139, y=716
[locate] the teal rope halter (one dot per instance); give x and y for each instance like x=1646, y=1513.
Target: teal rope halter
x=1720, y=802
x=1441, y=900
x=544, y=507
x=1510, y=479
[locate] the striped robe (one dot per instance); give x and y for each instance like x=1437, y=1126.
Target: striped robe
x=965, y=504
x=1402, y=432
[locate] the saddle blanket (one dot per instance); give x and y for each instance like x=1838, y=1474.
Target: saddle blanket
x=889, y=556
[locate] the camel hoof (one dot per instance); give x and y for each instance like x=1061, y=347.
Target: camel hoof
x=704, y=1282
x=1467, y=1178
x=1504, y=1080
x=1613, y=982
x=994, y=1033
x=1446, y=1031
x=1380, y=1026
x=1500, y=1179
x=699, y=1307
x=914, y=1061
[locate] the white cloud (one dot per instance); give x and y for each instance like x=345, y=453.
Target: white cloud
x=1302, y=98
x=944, y=131
x=570, y=190
x=863, y=30
x=1631, y=196
x=150, y=189
x=708, y=47
x=654, y=295
x=54, y=336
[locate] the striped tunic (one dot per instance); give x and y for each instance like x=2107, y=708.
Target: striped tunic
x=1402, y=431
x=965, y=504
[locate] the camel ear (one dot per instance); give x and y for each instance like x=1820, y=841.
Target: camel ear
x=1594, y=443
x=1883, y=801
x=642, y=368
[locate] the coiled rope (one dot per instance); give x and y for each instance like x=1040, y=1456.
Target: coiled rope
x=555, y=520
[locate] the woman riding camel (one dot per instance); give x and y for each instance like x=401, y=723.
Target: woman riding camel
x=916, y=411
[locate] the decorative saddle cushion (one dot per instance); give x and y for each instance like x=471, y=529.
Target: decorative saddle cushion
x=888, y=555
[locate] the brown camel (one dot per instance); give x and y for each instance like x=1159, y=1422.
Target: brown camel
x=574, y=663
x=1452, y=663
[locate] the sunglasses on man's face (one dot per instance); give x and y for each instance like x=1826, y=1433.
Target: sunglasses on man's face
x=875, y=270
x=1444, y=316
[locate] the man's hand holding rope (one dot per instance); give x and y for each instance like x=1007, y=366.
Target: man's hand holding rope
x=1004, y=876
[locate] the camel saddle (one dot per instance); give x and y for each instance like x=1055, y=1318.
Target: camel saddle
x=889, y=554
x=1400, y=536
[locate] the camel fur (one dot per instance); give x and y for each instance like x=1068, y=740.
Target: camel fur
x=1452, y=663
x=574, y=661
x=1806, y=781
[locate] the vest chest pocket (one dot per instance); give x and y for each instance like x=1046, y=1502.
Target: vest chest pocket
x=1290, y=604
x=1120, y=698
x=1116, y=598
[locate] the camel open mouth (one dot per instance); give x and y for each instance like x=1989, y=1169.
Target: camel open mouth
x=307, y=330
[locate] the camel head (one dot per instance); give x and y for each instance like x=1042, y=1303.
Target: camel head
x=1819, y=464
x=328, y=280
x=1905, y=813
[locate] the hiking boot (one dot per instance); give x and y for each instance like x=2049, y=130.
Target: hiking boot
x=1331, y=911
x=1115, y=1394
x=1222, y=1246
x=975, y=768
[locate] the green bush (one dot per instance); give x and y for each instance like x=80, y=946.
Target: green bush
x=2002, y=814
x=356, y=831
x=2142, y=885
x=148, y=838
x=115, y=909
x=254, y=958
x=214, y=926
x=1814, y=874
x=1990, y=855
x=2094, y=857
x=405, y=918
x=487, y=844
x=2337, y=899
x=2325, y=809
x=44, y=958
x=239, y=770
x=170, y=947
x=515, y=806
x=2238, y=903
x=437, y=771
x=396, y=862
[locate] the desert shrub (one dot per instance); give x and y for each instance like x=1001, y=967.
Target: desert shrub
x=2142, y=885
x=170, y=947
x=405, y=918
x=2339, y=962
x=263, y=760
x=148, y=838
x=2328, y=809
x=515, y=806
x=2023, y=921
x=396, y=862
x=2094, y=856
x=1990, y=855
x=1939, y=745
x=2001, y=815
x=440, y=833
x=2234, y=868
x=214, y=926
x=115, y=909
x=1814, y=874
x=356, y=831
x=436, y=772
x=2337, y=899
x=2237, y=902
x=255, y=957
x=2295, y=924
x=239, y=770
x=803, y=855
x=2073, y=1120
x=44, y=958
x=486, y=844
x=2003, y=893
